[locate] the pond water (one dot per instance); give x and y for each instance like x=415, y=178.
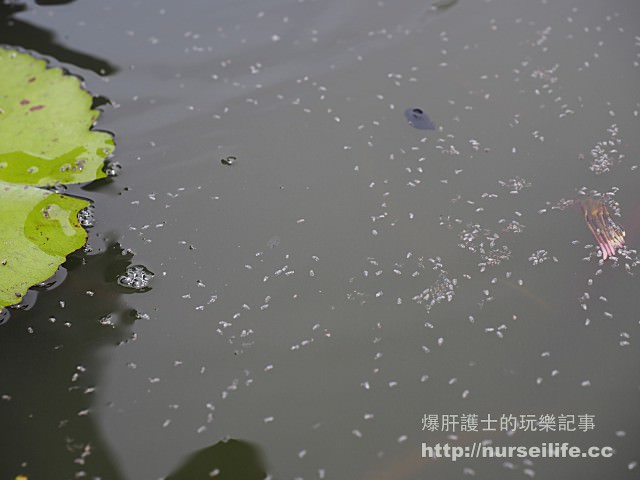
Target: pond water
x=327, y=279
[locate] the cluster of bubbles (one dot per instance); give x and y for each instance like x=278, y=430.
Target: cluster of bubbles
x=86, y=216
x=136, y=277
x=112, y=168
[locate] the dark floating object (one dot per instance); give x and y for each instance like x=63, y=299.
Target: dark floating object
x=418, y=119
x=230, y=160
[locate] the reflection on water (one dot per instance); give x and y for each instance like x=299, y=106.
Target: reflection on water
x=226, y=460
x=54, y=358
x=608, y=234
x=16, y=32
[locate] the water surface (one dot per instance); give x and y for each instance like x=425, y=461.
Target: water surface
x=348, y=273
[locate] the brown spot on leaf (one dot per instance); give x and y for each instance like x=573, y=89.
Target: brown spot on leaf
x=31, y=80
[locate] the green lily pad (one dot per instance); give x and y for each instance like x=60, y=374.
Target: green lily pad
x=45, y=139
x=45, y=125
x=39, y=229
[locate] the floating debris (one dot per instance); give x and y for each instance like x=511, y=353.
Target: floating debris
x=442, y=290
x=230, y=160
x=482, y=241
x=514, y=184
x=605, y=153
x=538, y=257
x=418, y=119
x=136, y=277
x=514, y=227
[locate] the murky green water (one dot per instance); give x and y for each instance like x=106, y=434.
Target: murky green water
x=312, y=301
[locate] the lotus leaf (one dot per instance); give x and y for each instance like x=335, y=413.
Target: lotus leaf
x=39, y=229
x=45, y=125
x=45, y=139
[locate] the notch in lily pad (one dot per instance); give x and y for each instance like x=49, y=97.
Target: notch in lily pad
x=417, y=118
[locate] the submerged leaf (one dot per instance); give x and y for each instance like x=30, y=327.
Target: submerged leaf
x=607, y=233
x=45, y=125
x=39, y=229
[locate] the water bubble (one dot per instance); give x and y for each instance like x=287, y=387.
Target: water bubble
x=86, y=216
x=136, y=277
x=112, y=168
x=107, y=320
